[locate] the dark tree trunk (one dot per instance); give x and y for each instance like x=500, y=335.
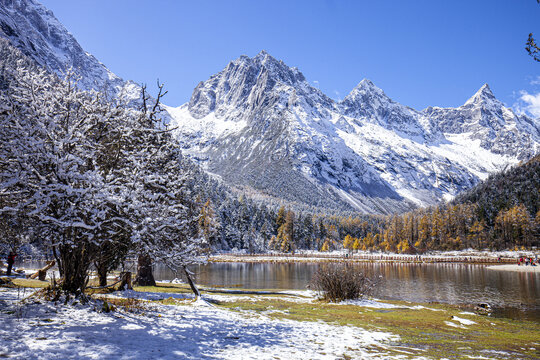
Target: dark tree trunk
x=57, y=259
x=145, y=277
x=191, y=283
x=102, y=273
x=42, y=275
x=75, y=262
x=9, y=267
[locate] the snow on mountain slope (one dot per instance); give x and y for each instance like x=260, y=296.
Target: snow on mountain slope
x=258, y=123
x=34, y=30
x=486, y=119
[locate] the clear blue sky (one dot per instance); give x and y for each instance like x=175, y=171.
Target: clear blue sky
x=420, y=52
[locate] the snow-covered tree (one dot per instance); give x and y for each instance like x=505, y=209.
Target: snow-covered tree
x=162, y=216
x=93, y=175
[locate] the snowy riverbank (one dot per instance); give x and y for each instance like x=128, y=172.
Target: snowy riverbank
x=166, y=322
x=195, y=330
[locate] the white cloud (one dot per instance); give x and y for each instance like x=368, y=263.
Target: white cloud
x=529, y=103
x=535, y=81
x=316, y=82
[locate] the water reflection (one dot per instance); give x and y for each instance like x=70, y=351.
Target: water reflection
x=511, y=294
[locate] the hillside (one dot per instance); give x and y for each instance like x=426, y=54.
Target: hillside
x=519, y=185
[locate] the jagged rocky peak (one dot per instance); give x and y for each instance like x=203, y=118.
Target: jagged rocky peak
x=366, y=86
x=482, y=96
x=246, y=83
x=368, y=102
x=362, y=98
x=278, y=69
x=365, y=94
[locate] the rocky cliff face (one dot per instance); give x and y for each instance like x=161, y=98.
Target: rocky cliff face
x=258, y=123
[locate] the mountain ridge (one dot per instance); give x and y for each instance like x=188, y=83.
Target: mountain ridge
x=398, y=153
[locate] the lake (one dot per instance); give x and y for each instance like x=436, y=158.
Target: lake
x=511, y=294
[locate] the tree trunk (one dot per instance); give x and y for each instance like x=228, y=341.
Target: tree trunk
x=102, y=273
x=75, y=261
x=144, y=271
x=42, y=275
x=191, y=283
x=49, y=265
x=9, y=267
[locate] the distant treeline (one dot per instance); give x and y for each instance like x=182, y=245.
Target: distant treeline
x=502, y=212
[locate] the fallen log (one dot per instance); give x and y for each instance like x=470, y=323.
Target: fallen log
x=41, y=273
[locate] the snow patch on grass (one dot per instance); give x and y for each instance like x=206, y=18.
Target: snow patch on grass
x=463, y=321
x=449, y=323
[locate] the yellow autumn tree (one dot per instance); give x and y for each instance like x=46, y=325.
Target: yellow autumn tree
x=286, y=233
x=477, y=234
x=423, y=233
x=368, y=242
x=357, y=245
x=348, y=242
x=325, y=246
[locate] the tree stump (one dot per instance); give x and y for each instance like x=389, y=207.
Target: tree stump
x=49, y=265
x=126, y=283
x=42, y=274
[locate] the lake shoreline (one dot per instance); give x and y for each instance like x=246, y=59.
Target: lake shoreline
x=364, y=257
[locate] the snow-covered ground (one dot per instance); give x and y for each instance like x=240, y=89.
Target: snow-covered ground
x=518, y=268
x=196, y=330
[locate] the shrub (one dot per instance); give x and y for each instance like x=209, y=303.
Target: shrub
x=341, y=282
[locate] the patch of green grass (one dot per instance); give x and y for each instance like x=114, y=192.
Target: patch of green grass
x=30, y=283
x=173, y=301
x=422, y=331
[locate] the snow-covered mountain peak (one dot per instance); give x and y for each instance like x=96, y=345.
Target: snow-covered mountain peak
x=368, y=86
x=365, y=91
x=248, y=83
x=263, y=55
x=482, y=96
x=370, y=104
